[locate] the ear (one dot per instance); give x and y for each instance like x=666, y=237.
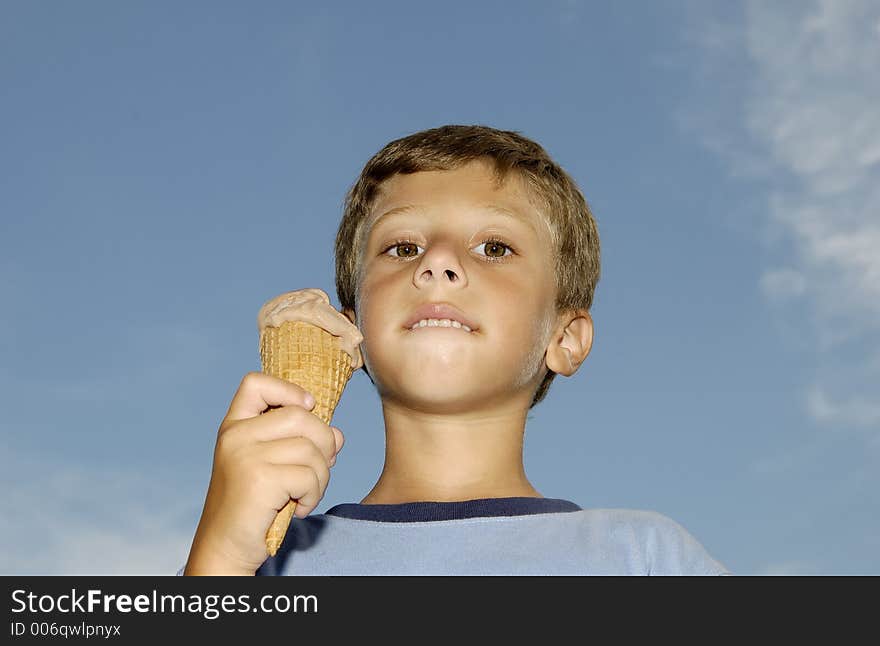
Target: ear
x=349, y=314
x=571, y=342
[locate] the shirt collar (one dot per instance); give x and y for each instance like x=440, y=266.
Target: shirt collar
x=409, y=512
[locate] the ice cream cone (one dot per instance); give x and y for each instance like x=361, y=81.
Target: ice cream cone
x=310, y=357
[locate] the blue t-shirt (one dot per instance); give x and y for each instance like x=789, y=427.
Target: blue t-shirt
x=492, y=536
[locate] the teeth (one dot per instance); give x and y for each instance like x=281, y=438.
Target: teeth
x=441, y=323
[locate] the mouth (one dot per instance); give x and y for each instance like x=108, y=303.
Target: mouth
x=440, y=316
x=448, y=325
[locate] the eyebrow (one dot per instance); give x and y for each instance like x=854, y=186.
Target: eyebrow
x=492, y=208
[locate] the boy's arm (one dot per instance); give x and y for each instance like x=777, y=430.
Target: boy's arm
x=203, y=561
x=262, y=459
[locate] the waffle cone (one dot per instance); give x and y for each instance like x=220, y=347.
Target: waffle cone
x=310, y=357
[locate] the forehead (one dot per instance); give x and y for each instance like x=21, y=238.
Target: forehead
x=472, y=187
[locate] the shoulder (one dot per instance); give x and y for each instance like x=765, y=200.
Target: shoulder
x=663, y=544
x=635, y=520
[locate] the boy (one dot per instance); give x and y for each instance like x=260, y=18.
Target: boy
x=466, y=263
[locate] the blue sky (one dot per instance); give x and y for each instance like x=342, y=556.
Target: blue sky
x=168, y=167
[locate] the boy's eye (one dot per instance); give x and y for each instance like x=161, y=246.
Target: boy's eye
x=494, y=249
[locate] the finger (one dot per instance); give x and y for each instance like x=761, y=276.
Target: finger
x=258, y=391
x=289, y=422
x=292, y=423
x=339, y=439
x=293, y=451
x=302, y=484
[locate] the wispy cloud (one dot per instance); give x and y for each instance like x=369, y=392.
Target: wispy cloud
x=68, y=515
x=799, y=116
x=846, y=411
x=783, y=284
x=72, y=519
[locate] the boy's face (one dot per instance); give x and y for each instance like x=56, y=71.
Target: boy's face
x=437, y=252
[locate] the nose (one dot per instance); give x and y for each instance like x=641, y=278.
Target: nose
x=439, y=263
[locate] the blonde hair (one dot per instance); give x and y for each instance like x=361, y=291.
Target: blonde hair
x=557, y=197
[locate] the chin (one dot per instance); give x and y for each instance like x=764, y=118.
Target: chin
x=429, y=382
x=436, y=402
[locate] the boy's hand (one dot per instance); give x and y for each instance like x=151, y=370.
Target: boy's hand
x=262, y=459
x=312, y=305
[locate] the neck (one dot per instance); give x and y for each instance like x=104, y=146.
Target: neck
x=443, y=457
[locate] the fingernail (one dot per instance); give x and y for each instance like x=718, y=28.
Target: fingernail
x=310, y=401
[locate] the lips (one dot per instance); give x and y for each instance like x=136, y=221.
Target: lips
x=439, y=311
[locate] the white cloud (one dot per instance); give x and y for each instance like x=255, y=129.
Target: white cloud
x=813, y=107
x=780, y=284
x=75, y=519
x=797, y=111
x=853, y=410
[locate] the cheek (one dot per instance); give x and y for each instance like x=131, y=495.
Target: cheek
x=376, y=315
